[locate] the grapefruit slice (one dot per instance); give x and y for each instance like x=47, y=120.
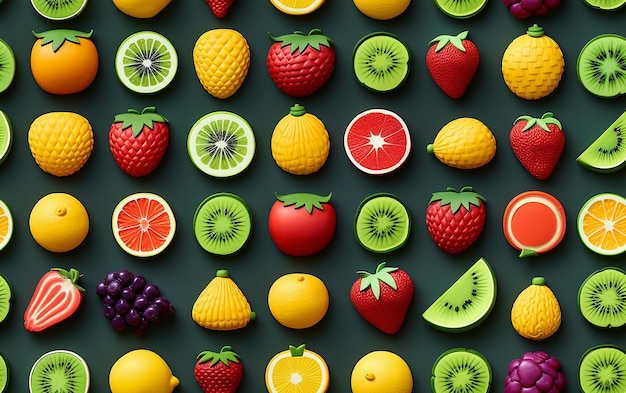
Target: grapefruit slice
x=143, y=224
x=6, y=225
x=534, y=223
x=297, y=370
x=377, y=141
x=602, y=224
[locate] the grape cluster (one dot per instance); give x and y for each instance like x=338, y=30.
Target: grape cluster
x=131, y=302
x=522, y=9
x=534, y=372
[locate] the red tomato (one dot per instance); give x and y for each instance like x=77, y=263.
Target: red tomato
x=302, y=224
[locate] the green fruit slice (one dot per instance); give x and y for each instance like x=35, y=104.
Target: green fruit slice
x=461, y=370
x=381, y=61
x=7, y=65
x=607, y=5
x=382, y=223
x=221, y=144
x=4, y=374
x=607, y=153
x=146, y=62
x=467, y=302
x=601, y=66
x=602, y=369
x=461, y=9
x=6, y=296
x=222, y=223
x=58, y=9
x=6, y=136
x=59, y=371
x=602, y=298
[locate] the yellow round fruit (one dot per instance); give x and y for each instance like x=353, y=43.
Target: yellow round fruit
x=297, y=7
x=141, y=8
x=464, y=143
x=298, y=300
x=382, y=9
x=536, y=313
x=297, y=370
x=59, y=222
x=381, y=372
x=141, y=371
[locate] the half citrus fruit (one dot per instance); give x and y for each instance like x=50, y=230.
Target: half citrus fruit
x=6, y=136
x=143, y=224
x=297, y=370
x=6, y=225
x=297, y=7
x=602, y=224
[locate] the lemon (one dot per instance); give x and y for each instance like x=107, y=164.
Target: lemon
x=464, y=143
x=536, y=313
x=381, y=372
x=298, y=300
x=382, y=9
x=59, y=222
x=141, y=371
x=297, y=370
x=141, y=8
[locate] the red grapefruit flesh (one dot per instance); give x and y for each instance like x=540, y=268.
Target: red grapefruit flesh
x=534, y=223
x=377, y=141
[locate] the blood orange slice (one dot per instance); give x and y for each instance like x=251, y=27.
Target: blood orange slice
x=377, y=141
x=143, y=224
x=534, y=223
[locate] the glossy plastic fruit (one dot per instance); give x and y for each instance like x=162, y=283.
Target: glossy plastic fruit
x=461, y=370
x=7, y=65
x=602, y=298
x=600, y=66
x=141, y=370
x=382, y=223
x=601, y=224
x=6, y=225
x=141, y=8
x=381, y=61
x=381, y=371
x=607, y=152
x=59, y=222
x=6, y=299
x=464, y=143
x=602, y=368
x=535, y=372
x=59, y=370
x=524, y=9
x=298, y=300
x=297, y=369
x=536, y=312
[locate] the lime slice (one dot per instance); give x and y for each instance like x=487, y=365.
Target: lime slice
x=146, y=62
x=6, y=136
x=221, y=144
x=7, y=65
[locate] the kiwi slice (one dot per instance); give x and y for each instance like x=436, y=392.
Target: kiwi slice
x=601, y=66
x=222, y=223
x=6, y=295
x=381, y=61
x=4, y=374
x=7, y=65
x=467, y=302
x=221, y=144
x=58, y=9
x=460, y=9
x=146, y=62
x=59, y=371
x=607, y=153
x=461, y=370
x=382, y=223
x=607, y=5
x=602, y=298
x=602, y=369
x=6, y=136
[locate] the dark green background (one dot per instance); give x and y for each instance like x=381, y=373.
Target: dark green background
x=185, y=268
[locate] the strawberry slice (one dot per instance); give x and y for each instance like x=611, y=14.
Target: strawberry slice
x=56, y=298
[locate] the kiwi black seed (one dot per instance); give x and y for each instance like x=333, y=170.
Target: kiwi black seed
x=461, y=370
x=602, y=298
x=382, y=223
x=601, y=65
x=59, y=9
x=607, y=153
x=7, y=65
x=602, y=369
x=5, y=298
x=59, y=371
x=381, y=61
x=461, y=9
x=222, y=223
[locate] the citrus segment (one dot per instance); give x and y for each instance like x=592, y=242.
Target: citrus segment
x=602, y=224
x=297, y=7
x=143, y=224
x=6, y=136
x=6, y=225
x=297, y=370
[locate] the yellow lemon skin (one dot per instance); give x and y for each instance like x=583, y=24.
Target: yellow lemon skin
x=141, y=371
x=464, y=143
x=536, y=313
x=298, y=300
x=381, y=372
x=59, y=222
x=141, y=8
x=382, y=9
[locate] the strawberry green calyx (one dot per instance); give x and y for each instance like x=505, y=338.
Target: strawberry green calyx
x=543, y=122
x=383, y=273
x=59, y=36
x=455, y=40
x=466, y=197
x=535, y=31
x=225, y=356
x=297, y=351
x=73, y=275
x=309, y=201
x=299, y=41
x=297, y=110
x=137, y=120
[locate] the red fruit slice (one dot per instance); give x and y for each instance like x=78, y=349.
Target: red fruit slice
x=377, y=141
x=534, y=222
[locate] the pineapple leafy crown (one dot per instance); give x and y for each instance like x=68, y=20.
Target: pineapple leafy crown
x=225, y=356
x=132, y=118
x=298, y=41
x=455, y=40
x=372, y=280
x=465, y=197
x=543, y=122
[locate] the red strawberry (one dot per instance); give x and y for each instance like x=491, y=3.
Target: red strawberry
x=455, y=219
x=56, y=298
x=452, y=63
x=138, y=141
x=219, y=7
x=218, y=372
x=538, y=143
x=300, y=64
x=383, y=298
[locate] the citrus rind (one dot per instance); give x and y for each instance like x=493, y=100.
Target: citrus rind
x=7, y=238
x=271, y=366
x=621, y=223
x=282, y=6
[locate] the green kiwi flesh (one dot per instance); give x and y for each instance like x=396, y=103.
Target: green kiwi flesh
x=381, y=61
x=59, y=371
x=467, y=302
x=461, y=370
x=4, y=374
x=5, y=298
x=607, y=5
x=461, y=9
x=6, y=136
x=222, y=223
x=382, y=223
x=58, y=9
x=7, y=65
x=601, y=66
x=602, y=369
x=602, y=298
x=607, y=153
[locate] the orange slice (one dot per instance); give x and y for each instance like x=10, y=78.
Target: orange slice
x=602, y=224
x=143, y=224
x=6, y=225
x=297, y=7
x=297, y=370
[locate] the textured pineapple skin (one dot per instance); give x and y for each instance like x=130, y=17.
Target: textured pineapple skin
x=221, y=59
x=465, y=143
x=221, y=306
x=536, y=313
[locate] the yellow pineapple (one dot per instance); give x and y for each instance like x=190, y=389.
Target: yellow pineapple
x=60, y=142
x=532, y=64
x=464, y=143
x=222, y=305
x=536, y=313
x=221, y=58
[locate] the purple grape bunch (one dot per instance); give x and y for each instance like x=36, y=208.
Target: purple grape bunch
x=534, y=372
x=130, y=302
x=523, y=9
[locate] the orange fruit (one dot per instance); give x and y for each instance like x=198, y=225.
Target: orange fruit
x=381, y=372
x=6, y=225
x=602, y=224
x=298, y=300
x=297, y=370
x=143, y=224
x=297, y=7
